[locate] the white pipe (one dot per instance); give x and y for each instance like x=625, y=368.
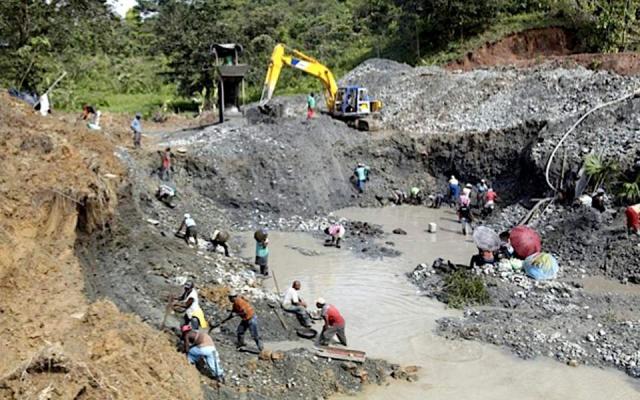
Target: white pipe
x=575, y=125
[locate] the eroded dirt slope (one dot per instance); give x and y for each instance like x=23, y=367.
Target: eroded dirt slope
x=55, y=344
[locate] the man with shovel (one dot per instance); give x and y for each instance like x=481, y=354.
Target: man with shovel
x=249, y=321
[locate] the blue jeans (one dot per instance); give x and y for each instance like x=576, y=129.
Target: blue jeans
x=210, y=355
x=252, y=326
x=301, y=313
x=360, y=185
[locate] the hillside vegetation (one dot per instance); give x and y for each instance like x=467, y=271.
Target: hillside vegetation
x=160, y=52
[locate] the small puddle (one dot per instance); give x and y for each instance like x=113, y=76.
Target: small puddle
x=388, y=319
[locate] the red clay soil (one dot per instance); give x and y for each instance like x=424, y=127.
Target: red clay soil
x=537, y=46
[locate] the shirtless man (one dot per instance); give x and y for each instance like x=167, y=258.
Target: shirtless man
x=199, y=345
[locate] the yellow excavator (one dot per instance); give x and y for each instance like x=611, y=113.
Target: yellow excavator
x=350, y=103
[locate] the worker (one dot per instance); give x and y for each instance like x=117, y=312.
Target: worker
x=362, y=175
x=482, y=258
x=136, y=127
x=598, y=200
x=490, y=202
x=87, y=111
x=333, y=323
x=262, y=255
x=336, y=232
x=481, y=189
x=166, y=194
x=468, y=188
x=199, y=345
x=190, y=229
x=436, y=200
x=466, y=218
x=165, y=163
x=398, y=196
x=506, y=250
x=633, y=219
x=311, y=105
x=189, y=304
x=464, y=199
x=220, y=238
x=248, y=320
x=293, y=303
x=454, y=190
x=415, y=196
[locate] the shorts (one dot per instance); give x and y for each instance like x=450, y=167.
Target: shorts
x=262, y=261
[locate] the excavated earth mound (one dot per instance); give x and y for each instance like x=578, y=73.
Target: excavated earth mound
x=59, y=181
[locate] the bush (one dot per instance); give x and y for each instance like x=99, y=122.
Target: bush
x=463, y=289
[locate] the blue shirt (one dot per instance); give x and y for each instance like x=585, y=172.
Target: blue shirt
x=361, y=173
x=136, y=125
x=261, y=250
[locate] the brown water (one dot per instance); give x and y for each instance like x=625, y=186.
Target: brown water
x=602, y=285
x=388, y=319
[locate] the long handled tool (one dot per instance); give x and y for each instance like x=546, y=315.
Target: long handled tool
x=275, y=282
x=168, y=309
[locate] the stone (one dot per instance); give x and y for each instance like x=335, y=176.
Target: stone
x=399, y=231
x=349, y=366
x=361, y=373
x=265, y=355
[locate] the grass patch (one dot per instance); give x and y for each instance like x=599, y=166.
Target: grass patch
x=464, y=289
x=501, y=28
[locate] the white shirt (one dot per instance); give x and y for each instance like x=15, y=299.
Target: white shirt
x=195, y=305
x=290, y=297
x=189, y=222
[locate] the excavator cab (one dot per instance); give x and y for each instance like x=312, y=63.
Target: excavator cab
x=352, y=101
x=354, y=106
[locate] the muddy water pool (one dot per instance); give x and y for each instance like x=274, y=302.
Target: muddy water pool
x=387, y=318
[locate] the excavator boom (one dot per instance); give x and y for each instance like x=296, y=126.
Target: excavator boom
x=351, y=103
x=302, y=62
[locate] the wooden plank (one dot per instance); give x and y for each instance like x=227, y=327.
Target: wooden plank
x=341, y=354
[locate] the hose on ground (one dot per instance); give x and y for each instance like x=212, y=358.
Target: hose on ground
x=578, y=122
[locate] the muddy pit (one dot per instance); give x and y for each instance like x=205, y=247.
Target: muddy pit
x=291, y=176
x=389, y=319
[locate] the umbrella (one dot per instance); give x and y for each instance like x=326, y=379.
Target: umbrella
x=486, y=238
x=525, y=241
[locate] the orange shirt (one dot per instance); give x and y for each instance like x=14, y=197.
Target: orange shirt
x=243, y=308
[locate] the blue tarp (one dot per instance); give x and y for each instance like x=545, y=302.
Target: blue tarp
x=541, y=266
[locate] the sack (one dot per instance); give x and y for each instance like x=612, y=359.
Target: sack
x=486, y=238
x=525, y=241
x=261, y=235
x=541, y=266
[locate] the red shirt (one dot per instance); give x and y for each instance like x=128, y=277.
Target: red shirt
x=491, y=196
x=166, y=160
x=332, y=316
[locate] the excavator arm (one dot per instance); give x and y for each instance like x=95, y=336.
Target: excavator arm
x=300, y=61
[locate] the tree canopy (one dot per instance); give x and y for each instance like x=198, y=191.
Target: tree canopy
x=162, y=48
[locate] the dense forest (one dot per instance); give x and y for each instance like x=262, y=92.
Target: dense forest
x=160, y=52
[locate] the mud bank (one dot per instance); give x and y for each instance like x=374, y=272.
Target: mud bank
x=137, y=266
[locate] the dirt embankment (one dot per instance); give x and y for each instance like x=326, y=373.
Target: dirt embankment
x=535, y=46
x=59, y=180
